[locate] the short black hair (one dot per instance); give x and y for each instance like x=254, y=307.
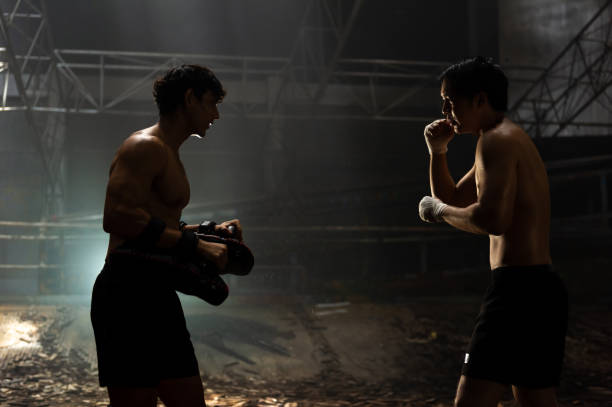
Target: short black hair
x=478, y=74
x=169, y=90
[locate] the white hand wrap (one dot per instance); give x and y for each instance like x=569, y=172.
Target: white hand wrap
x=433, y=150
x=432, y=209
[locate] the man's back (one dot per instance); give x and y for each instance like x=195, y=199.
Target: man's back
x=526, y=241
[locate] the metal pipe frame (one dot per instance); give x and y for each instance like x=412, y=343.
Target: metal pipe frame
x=364, y=78
x=27, y=59
x=577, y=78
x=95, y=67
x=314, y=63
x=30, y=81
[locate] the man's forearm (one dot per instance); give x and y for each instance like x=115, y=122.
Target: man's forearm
x=441, y=182
x=468, y=219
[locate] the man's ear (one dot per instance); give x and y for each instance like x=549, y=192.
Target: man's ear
x=189, y=98
x=481, y=99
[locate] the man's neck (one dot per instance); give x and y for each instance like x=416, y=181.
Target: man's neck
x=491, y=121
x=173, y=131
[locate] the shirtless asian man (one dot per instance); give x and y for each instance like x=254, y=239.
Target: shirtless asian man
x=144, y=349
x=519, y=334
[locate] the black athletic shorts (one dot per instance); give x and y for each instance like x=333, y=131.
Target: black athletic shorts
x=519, y=337
x=139, y=326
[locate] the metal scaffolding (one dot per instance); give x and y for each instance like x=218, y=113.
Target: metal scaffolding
x=314, y=74
x=119, y=82
x=578, y=79
x=30, y=80
x=314, y=80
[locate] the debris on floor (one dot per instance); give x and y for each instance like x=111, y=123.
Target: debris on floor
x=294, y=356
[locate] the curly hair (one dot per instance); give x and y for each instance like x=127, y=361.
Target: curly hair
x=478, y=74
x=169, y=90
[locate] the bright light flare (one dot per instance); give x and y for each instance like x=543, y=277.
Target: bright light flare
x=17, y=334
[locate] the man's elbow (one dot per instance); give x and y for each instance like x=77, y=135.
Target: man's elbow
x=108, y=223
x=124, y=221
x=497, y=228
x=113, y=221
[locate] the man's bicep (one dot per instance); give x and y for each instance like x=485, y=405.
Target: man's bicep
x=128, y=188
x=130, y=183
x=465, y=191
x=497, y=178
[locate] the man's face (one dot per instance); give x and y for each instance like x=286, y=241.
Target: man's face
x=204, y=112
x=459, y=111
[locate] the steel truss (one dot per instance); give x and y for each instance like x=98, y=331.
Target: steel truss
x=314, y=74
x=29, y=79
x=577, y=78
x=119, y=82
x=27, y=68
x=313, y=80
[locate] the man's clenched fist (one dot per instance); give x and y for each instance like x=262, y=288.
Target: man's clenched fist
x=431, y=209
x=437, y=136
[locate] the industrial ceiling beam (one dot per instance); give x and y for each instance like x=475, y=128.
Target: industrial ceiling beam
x=579, y=76
x=342, y=32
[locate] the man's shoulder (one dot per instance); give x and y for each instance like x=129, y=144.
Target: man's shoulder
x=506, y=134
x=502, y=141
x=142, y=150
x=141, y=143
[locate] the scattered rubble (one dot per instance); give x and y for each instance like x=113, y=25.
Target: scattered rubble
x=45, y=373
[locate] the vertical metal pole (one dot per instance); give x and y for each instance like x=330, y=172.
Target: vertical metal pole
x=603, y=188
x=5, y=89
x=101, y=105
x=43, y=287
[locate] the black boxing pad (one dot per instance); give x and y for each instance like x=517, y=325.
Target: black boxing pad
x=187, y=277
x=202, y=281
x=239, y=256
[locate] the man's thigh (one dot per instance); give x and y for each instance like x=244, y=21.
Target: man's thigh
x=546, y=397
x=132, y=396
x=478, y=392
x=182, y=392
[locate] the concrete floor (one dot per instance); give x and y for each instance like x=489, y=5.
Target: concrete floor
x=262, y=350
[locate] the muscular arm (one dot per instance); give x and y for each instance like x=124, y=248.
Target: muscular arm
x=443, y=187
x=492, y=213
x=139, y=161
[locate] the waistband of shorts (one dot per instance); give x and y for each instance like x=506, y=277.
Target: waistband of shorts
x=521, y=274
x=136, y=262
x=521, y=269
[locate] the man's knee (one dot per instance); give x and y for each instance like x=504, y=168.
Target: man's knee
x=132, y=396
x=473, y=401
x=478, y=393
x=535, y=397
x=182, y=392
